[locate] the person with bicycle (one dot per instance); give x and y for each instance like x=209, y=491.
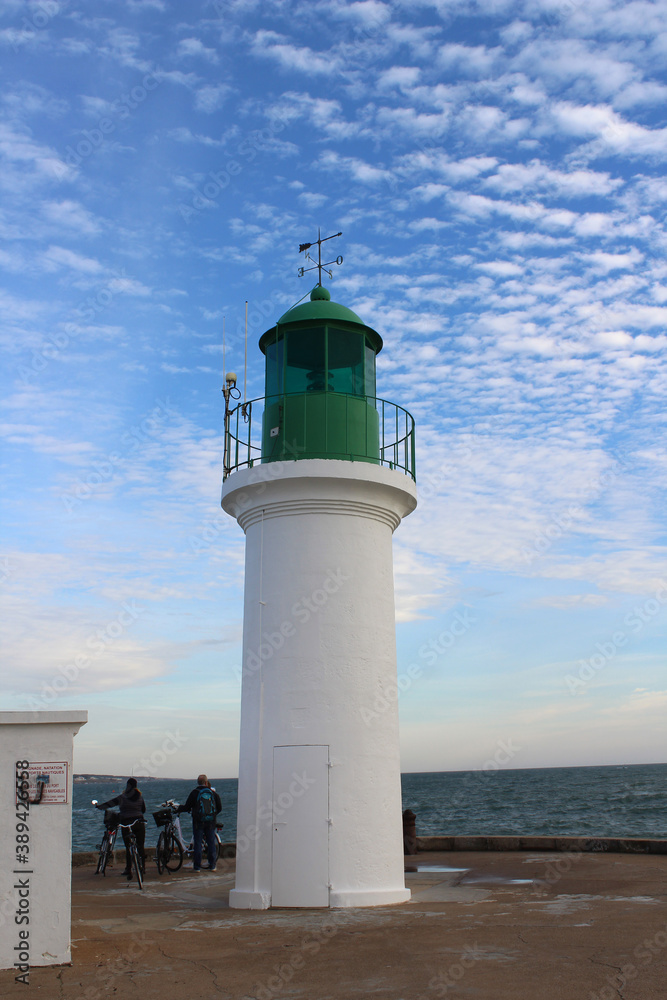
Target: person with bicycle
x=131, y=807
x=204, y=804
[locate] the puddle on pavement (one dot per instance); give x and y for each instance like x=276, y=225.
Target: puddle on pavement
x=435, y=868
x=495, y=880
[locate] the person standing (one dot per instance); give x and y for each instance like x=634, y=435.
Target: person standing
x=204, y=804
x=131, y=807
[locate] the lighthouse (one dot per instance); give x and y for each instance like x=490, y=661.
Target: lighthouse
x=319, y=474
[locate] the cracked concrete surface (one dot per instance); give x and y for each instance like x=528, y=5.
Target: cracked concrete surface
x=500, y=926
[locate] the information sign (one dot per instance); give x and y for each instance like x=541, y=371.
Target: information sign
x=54, y=791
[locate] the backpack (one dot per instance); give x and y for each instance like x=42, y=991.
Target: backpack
x=204, y=810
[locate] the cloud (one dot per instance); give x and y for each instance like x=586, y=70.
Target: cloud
x=533, y=212
x=96, y=107
x=208, y=99
x=30, y=99
x=324, y=113
x=271, y=45
x=185, y=135
x=399, y=76
x=643, y=702
x=141, y=5
x=99, y=655
x=123, y=45
x=537, y=176
x=613, y=133
x=56, y=257
x=194, y=48
x=501, y=268
x=567, y=602
x=419, y=225
x=419, y=586
x=370, y=13
x=32, y=436
x=361, y=171
x=72, y=215
x=470, y=60
x=18, y=149
x=606, y=262
x=128, y=286
x=437, y=162
x=574, y=61
x=413, y=123
x=641, y=92
x=188, y=80
x=312, y=200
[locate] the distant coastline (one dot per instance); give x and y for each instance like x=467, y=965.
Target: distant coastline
x=82, y=778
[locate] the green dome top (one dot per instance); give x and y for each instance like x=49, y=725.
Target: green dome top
x=320, y=307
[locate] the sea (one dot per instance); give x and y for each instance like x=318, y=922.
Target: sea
x=626, y=800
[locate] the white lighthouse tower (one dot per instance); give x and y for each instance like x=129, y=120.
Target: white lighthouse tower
x=318, y=496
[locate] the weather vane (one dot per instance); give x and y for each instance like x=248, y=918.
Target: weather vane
x=318, y=264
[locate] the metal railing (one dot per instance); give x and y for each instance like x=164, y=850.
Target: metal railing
x=395, y=445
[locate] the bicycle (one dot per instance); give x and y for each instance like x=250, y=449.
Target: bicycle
x=106, y=848
x=135, y=861
x=109, y=840
x=171, y=848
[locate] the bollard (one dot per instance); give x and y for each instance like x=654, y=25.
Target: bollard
x=409, y=832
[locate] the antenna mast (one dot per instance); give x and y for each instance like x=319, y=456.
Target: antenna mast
x=245, y=361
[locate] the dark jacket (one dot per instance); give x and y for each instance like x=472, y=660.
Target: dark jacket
x=131, y=805
x=191, y=802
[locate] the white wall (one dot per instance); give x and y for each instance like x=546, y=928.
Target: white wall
x=321, y=531
x=45, y=882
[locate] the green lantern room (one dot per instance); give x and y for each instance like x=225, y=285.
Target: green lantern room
x=320, y=398
x=320, y=384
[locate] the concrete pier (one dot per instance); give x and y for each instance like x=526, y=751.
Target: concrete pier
x=493, y=925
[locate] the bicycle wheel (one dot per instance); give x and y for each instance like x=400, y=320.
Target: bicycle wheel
x=136, y=865
x=174, y=858
x=218, y=845
x=104, y=854
x=161, y=852
x=111, y=846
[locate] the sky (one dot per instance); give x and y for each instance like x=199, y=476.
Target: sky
x=496, y=169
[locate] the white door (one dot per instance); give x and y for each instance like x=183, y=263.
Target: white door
x=300, y=872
